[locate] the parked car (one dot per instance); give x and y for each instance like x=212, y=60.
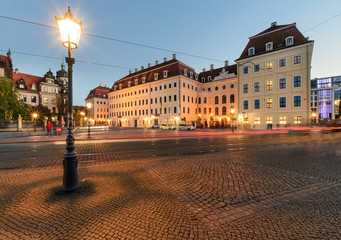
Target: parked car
x=185, y=127
x=167, y=127
x=156, y=126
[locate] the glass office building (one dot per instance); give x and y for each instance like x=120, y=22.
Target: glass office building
x=326, y=97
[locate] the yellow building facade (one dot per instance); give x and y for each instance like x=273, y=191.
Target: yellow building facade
x=274, y=79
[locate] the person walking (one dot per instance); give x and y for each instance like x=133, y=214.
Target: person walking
x=49, y=126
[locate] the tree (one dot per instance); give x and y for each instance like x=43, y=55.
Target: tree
x=42, y=111
x=10, y=106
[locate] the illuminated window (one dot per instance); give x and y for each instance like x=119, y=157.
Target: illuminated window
x=298, y=120
x=269, y=65
x=269, y=120
x=268, y=85
x=257, y=120
x=283, y=120
x=268, y=46
x=269, y=103
x=297, y=59
x=53, y=101
x=289, y=41
x=46, y=100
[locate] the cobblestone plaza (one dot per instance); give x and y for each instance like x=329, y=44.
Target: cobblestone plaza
x=284, y=186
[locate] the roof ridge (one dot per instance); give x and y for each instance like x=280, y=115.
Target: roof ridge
x=275, y=28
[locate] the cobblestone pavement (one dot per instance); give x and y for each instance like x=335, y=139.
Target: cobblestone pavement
x=235, y=187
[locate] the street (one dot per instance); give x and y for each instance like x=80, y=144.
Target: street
x=271, y=186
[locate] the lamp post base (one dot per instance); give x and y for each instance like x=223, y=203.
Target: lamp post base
x=70, y=176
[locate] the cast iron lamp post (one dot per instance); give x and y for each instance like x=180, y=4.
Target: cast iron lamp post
x=232, y=116
x=70, y=31
x=88, y=105
x=35, y=115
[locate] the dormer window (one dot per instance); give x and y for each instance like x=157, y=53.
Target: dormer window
x=115, y=88
x=156, y=76
x=165, y=74
x=185, y=72
x=129, y=84
x=289, y=41
x=191, y=75
x=33, y=86
x=203, y=79
x=251, y=51
x=268, y=46
x=144, y=80
x=120, y=86
x=209, y=79
x=136, y=82
x=104, y=95
x=196, y=77
x=98, y=95
x=22, y=86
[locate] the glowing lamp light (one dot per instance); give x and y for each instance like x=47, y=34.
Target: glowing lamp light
x=314, y=114
x=70, y=30
x=88, y=105
x=35, y=115
x=232, y=110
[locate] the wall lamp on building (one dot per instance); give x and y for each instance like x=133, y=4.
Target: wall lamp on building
x=313, y=115
x=70, y=32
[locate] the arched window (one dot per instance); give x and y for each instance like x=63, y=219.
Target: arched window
x=223, y=99
x=199, y=110
x=209, y=110
x=224, y=111
x=199, y=100
x=205, y=100
x=216, y=100
x=205, y=111
x=216, y=111
x=232, y=98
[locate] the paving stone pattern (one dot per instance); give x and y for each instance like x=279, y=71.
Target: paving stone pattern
x=242, y=187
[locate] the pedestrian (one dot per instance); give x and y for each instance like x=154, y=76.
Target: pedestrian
x=49, y=126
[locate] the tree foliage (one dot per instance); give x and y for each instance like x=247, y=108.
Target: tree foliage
x=10, y=106
x=42, y=112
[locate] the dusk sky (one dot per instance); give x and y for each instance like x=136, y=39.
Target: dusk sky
x=212, y=29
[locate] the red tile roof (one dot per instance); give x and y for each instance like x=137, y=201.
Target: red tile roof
x=5, y=60
x=29, y=79
x=174, y=68
x=99, y=90
x=275, y=34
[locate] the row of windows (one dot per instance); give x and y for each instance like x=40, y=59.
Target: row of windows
x=102, y=110
x=282, y=103
x=98, y=102
x=268, y=65
x=23, y=98
x=282, y=120
x=282, y=84
x=289, y=41
x=216, y=110
x=216, y=99
x=217, y=88
x=102, y=116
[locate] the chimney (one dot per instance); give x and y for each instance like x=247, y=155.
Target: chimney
x=156, y=62
x=212, y=66
x=174, y=56
x=130, y=71
x=226, y=63
x=16, y=71
x=136, y=69
x=164, y=59
x=149, y=65
x=274, y=24
x=142, y=67
x=204, y=69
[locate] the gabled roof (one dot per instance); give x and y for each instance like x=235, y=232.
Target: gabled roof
x=173, y=66
x=216, y=72
x=29, y=79
x=276, y=34
x=99, y=90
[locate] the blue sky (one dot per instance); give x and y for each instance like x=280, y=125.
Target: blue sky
x=214, y=29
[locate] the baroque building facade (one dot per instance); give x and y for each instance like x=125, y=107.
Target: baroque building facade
x=274, y=78
x=172, y=92
x=98, y=114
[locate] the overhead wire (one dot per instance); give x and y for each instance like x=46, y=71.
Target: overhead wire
x=115, y=39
